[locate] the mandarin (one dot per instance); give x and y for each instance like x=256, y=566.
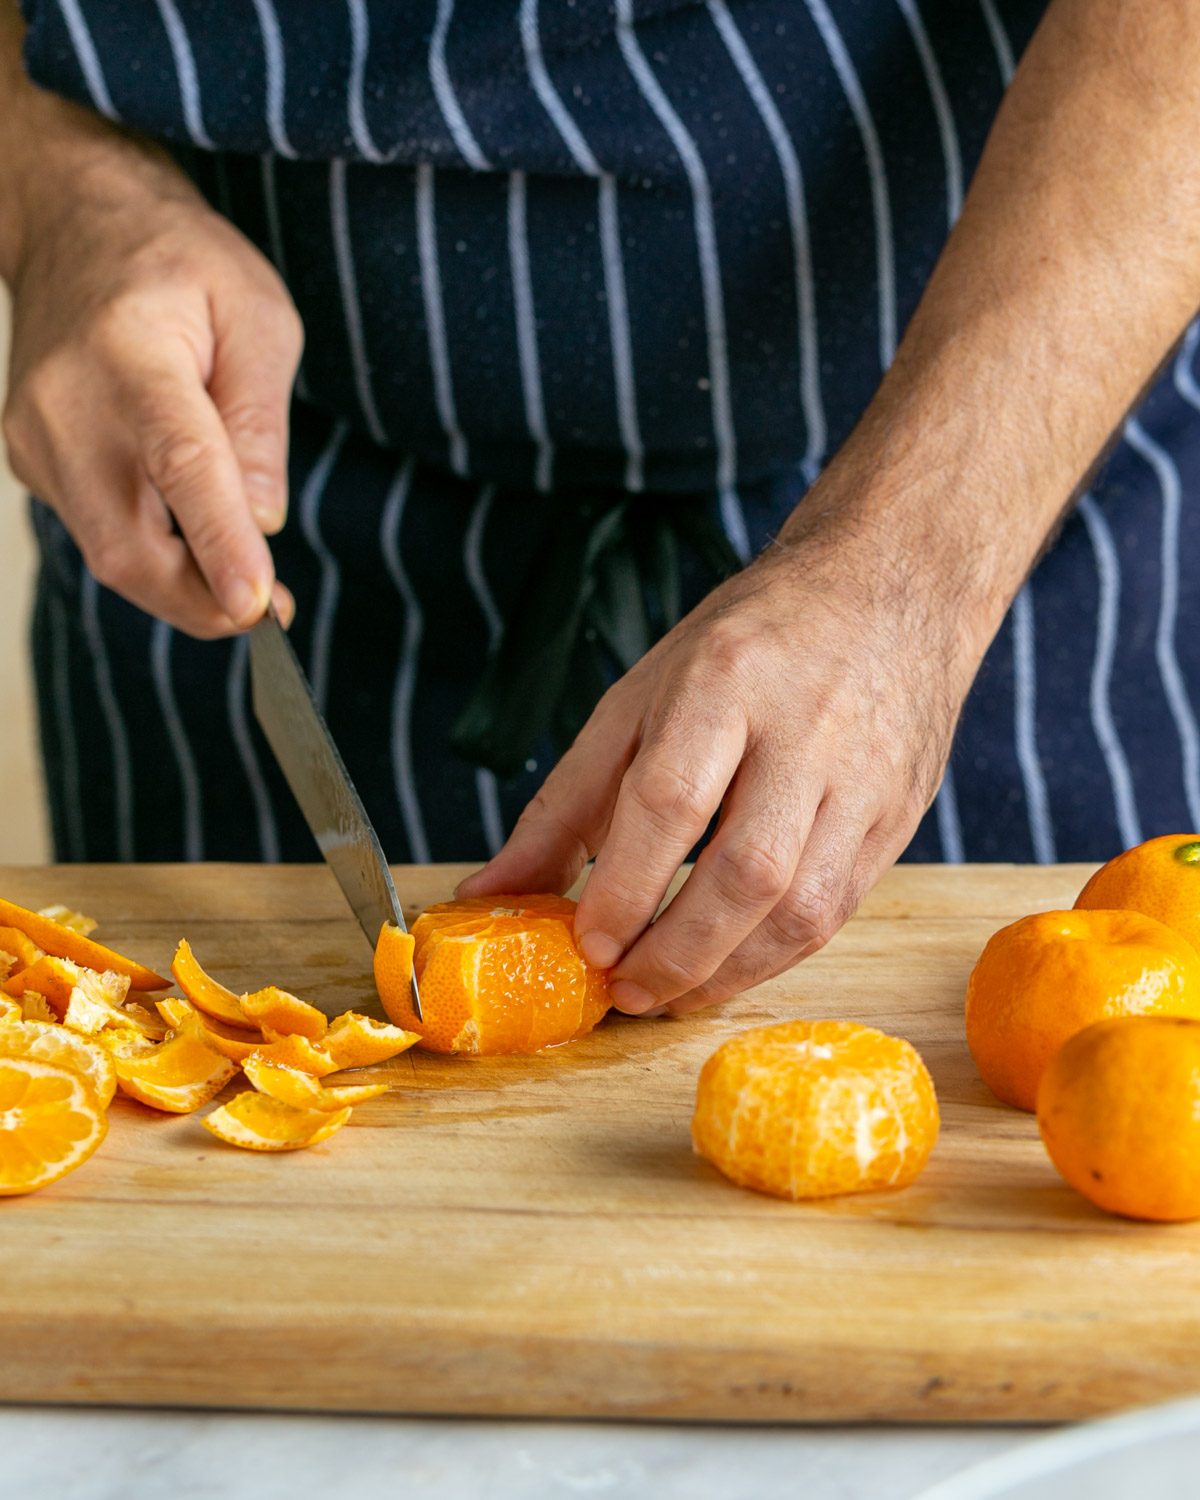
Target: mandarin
x=497, y=974
x=1160, y=878
x=1047, y=976
x=1119, y=1112
x=813, y=1109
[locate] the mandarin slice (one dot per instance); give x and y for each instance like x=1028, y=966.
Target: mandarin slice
x=205, y=993
x=10, y=1009
x=50, y=1123
x=274, y=1009
x=64, y=942
x=53, y=1043
x=357, y=1041
x=178, y=1076
x=302, y=1090
x=257, y=1122
x=812, y=1109
x=497, y=975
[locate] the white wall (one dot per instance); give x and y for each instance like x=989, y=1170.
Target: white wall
x=23, y=837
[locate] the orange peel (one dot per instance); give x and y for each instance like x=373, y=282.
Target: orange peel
x=257, y=1122
x=301, y=1090
x=229, y=1041
x=205, y=993
x=357, y=1041
x=274, y=1009
x=178, y=1076
x=53, y=978
x=64, y=942
x=297, y=1052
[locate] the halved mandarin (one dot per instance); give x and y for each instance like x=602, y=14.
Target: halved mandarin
x=205, y=993
x=64, y=942
x=257, y=1122
x=498, y=974
x=53, y=1043
x=811, y=1109
x=178, y=1076
x=275, y=1010
x=357, y=1041
x=50, y=1123
x=302, y=1090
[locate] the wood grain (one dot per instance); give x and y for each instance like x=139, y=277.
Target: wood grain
x=535, y=1236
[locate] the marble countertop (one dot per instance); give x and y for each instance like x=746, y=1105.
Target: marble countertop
x=81, y=1454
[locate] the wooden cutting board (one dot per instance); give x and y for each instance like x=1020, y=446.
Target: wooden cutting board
x=535, y=1236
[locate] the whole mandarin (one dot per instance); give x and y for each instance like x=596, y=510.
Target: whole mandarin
x=1042, y=979
x=1160, y=877
x=1119, y=1112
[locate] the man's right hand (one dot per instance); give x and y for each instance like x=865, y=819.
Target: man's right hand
x=152, y=362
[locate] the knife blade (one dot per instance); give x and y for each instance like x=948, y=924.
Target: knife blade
x=308, y=757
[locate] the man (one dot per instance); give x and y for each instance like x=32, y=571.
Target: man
x=579, y=282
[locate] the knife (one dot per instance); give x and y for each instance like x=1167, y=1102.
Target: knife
x=287, y=711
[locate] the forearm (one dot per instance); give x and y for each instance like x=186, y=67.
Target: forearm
x=1074, y=267
x=53, y=153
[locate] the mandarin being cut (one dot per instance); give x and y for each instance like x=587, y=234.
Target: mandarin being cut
x=1119, y=1113
x=1160, y=878
x=813, y=1109
x=497, y=974
x=1042, y=979
x=51, y=1121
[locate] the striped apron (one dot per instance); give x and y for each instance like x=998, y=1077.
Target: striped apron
x=545, y=251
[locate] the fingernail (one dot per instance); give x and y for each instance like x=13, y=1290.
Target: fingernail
x=244, y=602
x=600, y=950
x=268, y=518
x=632, y=998
x=285, y=605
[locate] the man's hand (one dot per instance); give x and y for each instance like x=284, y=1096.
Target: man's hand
x=812, y=699
x=153, y=355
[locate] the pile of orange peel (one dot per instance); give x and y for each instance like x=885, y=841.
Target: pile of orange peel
x=78, y=1024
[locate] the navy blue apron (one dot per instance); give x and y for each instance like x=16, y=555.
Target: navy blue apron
x=553, y=256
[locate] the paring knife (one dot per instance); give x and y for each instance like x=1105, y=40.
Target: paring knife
x=285, y=707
